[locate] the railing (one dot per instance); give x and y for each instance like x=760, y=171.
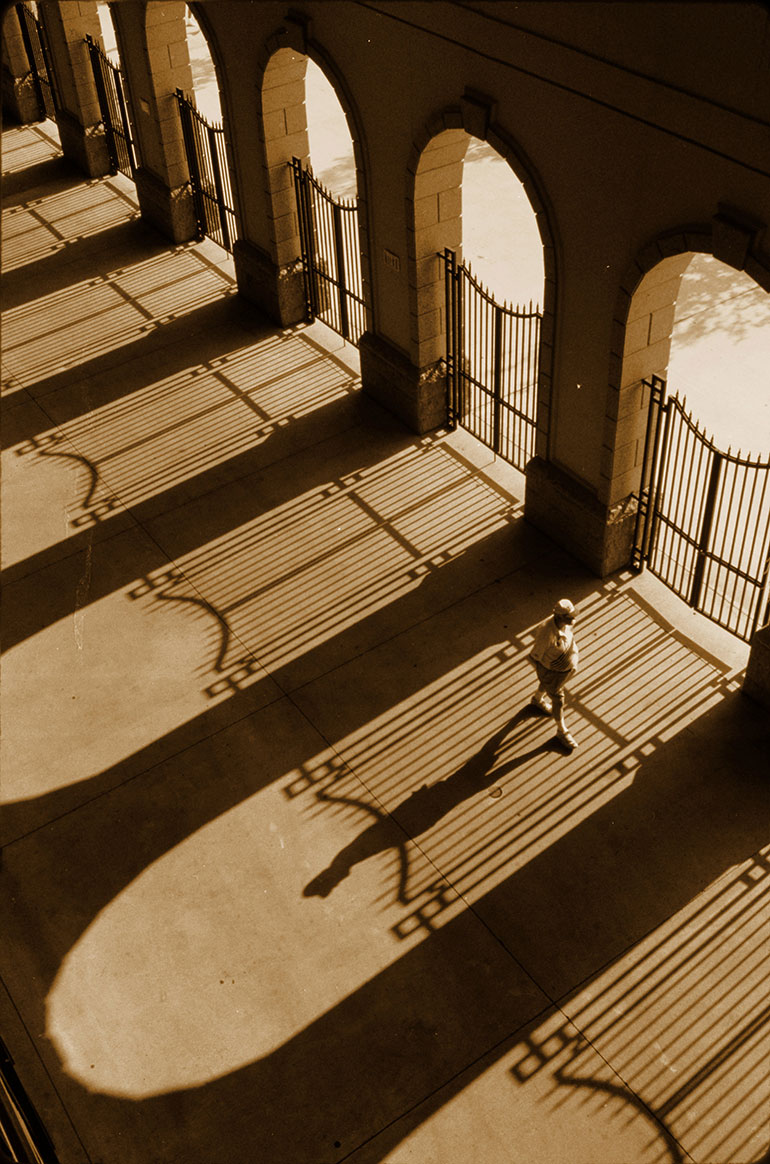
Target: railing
x=492, y=365
x=703, y=519
x=114, y=110
x=206, y=152
x=331, y=256
x=23, y=1139
x=33, y=35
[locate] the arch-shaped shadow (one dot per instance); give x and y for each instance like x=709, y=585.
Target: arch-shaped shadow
x=564, y=916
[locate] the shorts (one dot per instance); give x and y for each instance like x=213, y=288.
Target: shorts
x=551, y=681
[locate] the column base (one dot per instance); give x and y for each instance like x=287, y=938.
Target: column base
x=599, y=536
x=86, y=146
x=171, y=211
x=756, y=683
x=20, y=98
x=417, y=396
x=279, y=292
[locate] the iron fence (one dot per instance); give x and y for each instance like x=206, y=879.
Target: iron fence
x=23, y=1138
x=492, y=365
x=111, y=90
x=331, y=255
x=206, y=151
x=703, y=520
x=38, y=57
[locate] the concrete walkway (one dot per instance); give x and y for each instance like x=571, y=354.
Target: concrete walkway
x=292, y=874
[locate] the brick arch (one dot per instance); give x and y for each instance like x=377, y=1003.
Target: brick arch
x=642, y=327
x=283, y=127
x=434, y=175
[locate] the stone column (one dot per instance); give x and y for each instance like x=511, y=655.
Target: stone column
x=155, y=61
x=598, y=527
x=79, y=117
x=18, y=90
x=274, y=280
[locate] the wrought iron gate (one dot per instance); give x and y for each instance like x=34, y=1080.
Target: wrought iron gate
x=22, y=1134
x=36, y=45
x=204, y=145
x=703, y=522
x=492, y=365
x=331, y=256
x=114, y=109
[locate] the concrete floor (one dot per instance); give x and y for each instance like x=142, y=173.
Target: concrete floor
x=291, y=874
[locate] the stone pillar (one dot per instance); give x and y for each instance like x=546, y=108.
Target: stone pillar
x=155, y=61
x=416, y=396
x=79, y=116
x=599, y=535
x=412, y=384
x=18, y=91
x=278, y=291
x=598, y=527
x=643, y=343
x=756, y=684
x=274, y=280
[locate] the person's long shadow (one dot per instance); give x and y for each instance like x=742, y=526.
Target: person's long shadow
x=423, y=809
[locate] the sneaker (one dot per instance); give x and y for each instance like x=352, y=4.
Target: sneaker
x=542, y=703
x=567, y=739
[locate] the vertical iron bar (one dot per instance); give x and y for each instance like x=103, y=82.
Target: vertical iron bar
x=46, y=55
x=104, y=105
x=25, y=16
x=218, y=187
x=497, y=378
x=125, y=122
x=649, y=471
x=449, y=338
x=464, y=357
x=299, y=193
x=188, y=137
x=705, y=531
x=339, y=250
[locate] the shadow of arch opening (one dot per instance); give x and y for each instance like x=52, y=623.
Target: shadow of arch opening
x=437, y=168
x=284, y=92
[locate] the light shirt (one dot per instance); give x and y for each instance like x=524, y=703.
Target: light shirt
x=555, y=647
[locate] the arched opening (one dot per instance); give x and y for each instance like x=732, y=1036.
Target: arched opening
x=109, y=36
x=720, y=353
x=330, y=144
x=204, y=76
x=481, y=310
x=500, y=238
x=312, y=186
x=693, y=435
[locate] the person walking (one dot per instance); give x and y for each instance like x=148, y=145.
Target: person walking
x=555, y=657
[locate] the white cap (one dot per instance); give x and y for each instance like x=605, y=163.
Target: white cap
x=564, y=609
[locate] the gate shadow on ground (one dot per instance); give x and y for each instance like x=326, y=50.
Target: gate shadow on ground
x=48, y=598
x=398, y=1041
x=125, y=244
x=423, y=809
x=53, y=600
x=53, y=176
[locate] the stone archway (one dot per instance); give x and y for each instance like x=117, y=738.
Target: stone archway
x=642, y=328
x=271, y=274
x=434, y=221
